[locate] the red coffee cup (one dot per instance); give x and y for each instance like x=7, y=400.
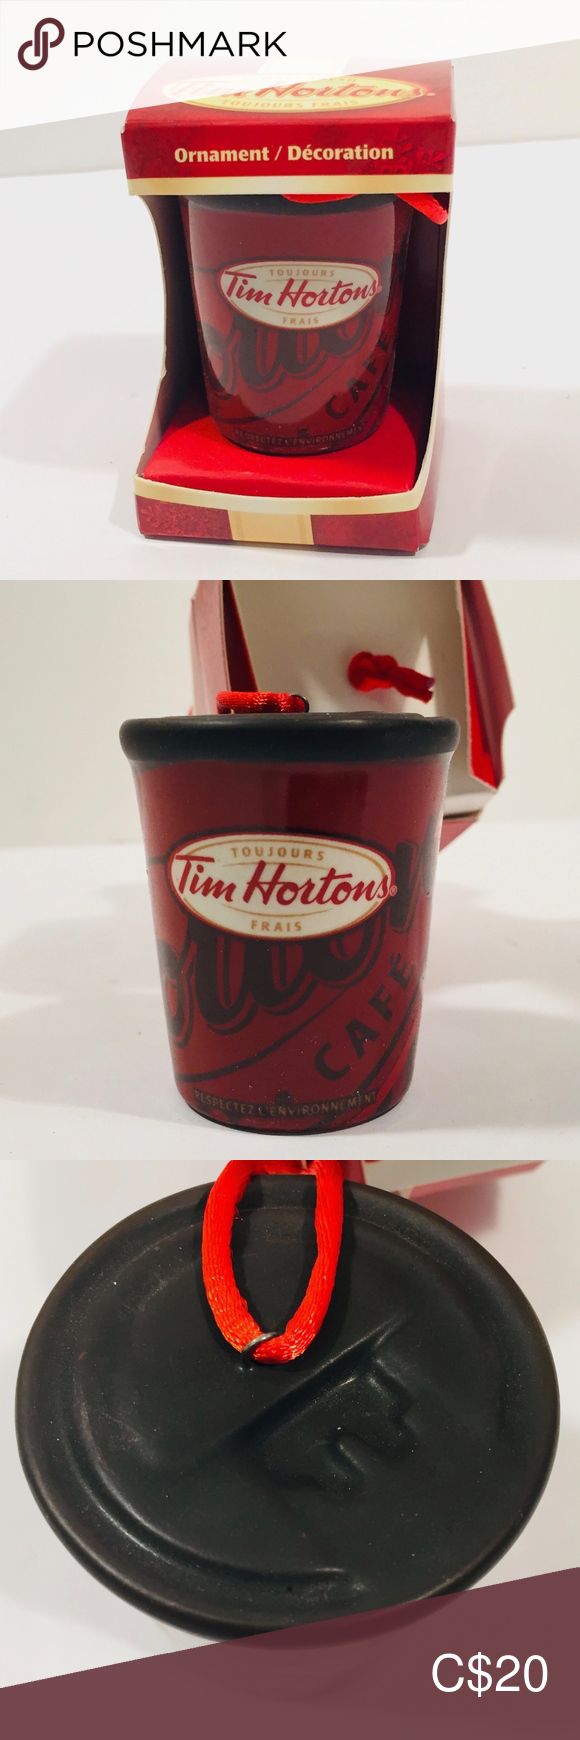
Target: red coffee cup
x=298, y=308
x=291, y=861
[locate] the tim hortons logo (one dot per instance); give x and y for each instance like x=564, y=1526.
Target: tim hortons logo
x=353, y=91
x=280, y=885
x=308, y=293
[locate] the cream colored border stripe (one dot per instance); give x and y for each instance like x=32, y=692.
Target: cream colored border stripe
x=262, y=184
x=283, y=504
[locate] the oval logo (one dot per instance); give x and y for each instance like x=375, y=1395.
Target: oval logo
x=287, y=293
x=280, y=885
x=354, y=91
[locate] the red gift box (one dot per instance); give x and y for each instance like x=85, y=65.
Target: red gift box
x=243, y=637
x=344, y=139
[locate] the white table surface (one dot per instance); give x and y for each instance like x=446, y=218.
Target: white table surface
x=54, y=1617
x=85, y=1067
x=82, y=342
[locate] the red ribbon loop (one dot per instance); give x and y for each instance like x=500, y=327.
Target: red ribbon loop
x=368, y=671
x=259, y=701
x=425, y=203
x=229, y=1308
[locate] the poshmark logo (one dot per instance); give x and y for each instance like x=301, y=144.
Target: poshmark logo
x=49, y=33
x=271, y=886
x=311, y=293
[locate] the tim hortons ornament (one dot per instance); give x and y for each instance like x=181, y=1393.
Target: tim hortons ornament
x=291, y=861
x=298, y=307
x=353, y=1408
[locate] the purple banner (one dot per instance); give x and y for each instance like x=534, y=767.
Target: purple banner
x=501, y=1661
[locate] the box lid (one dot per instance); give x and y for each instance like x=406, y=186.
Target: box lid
x=364, y=131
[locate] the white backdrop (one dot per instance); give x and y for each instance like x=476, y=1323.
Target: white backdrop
x=75, y=660
x=327, y=37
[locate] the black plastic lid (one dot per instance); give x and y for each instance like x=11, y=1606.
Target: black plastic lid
x=289, y=737
x=279, y=203
x=399, y=1457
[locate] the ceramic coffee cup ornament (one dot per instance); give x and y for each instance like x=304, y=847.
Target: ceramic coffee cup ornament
x=298, y=305
x=291, y=861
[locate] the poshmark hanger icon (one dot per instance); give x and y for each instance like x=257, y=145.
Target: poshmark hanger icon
x=48, y=33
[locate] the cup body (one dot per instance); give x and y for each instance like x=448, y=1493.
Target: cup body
x=291, y=865
x=298, y=308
